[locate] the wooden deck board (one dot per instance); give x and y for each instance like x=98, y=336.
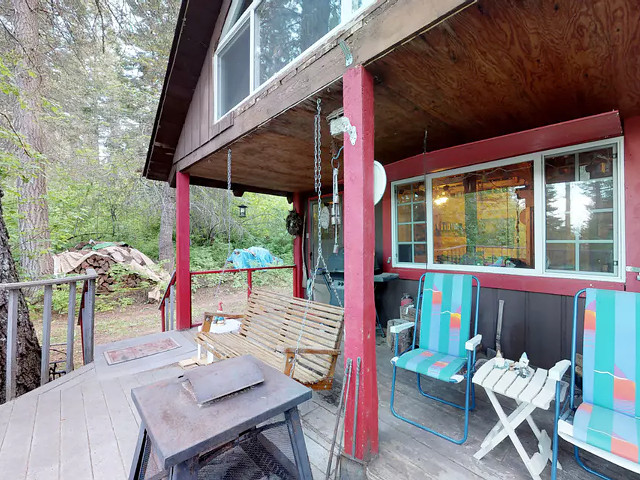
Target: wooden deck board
x=45, y=443
x=85, y=426
x=75, y=458
x=14, y=456
x=124, y=422
x=106, y=459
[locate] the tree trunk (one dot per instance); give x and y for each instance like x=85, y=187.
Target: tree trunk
x=28, y=355
x=166, y=252
x=33, y=214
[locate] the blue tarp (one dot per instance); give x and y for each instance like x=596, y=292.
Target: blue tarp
x=253, y=257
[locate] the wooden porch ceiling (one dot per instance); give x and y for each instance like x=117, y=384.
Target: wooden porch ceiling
x=498, y=67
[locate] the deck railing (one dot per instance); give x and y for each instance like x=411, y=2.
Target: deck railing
x=85, y=319
x=167, y=303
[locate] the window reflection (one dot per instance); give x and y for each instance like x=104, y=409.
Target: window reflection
x=580, y=211
x=411, y=226
x=285, y=29
x=485, y=217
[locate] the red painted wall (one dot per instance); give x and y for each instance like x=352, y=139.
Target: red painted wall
x=632, y=198
x=582, y=130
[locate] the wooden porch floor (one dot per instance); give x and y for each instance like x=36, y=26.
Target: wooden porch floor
x=85, y=426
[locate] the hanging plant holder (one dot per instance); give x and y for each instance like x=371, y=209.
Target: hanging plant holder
x=294, y=223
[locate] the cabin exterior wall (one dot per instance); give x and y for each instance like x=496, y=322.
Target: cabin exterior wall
x=538, y=322
x=392, y=22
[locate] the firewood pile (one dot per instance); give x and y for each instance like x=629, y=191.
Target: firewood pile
x=103, y=257
x=105, y=282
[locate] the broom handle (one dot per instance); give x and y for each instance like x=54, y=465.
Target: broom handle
x=499, y=326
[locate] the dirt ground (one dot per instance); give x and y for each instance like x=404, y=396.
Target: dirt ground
x=140, y=319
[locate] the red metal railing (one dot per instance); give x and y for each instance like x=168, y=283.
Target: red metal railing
x=167, y=294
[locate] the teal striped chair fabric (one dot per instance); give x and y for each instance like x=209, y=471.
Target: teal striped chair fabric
x=444, y=327
x=609, y=417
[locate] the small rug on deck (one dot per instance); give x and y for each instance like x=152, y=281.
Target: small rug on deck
x=126, y=354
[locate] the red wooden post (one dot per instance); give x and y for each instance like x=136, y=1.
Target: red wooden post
x=297, y=251
x=359, y=250
x=183, y=276
x=249, y=282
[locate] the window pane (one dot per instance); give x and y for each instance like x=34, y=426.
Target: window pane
x=419, y=192
x=404, y=233
x=419, y=232
x=404, y=214
x=419, y=213
x=410, y=217
x=233, y=63
x=580, y=206
x=403, y=194
x=286, y=28
x=561, y=256
x=405, y=253
x=597, y=226
x=596, y=257
x=485, y=217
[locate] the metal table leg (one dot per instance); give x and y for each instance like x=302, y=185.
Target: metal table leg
x=187, y=470
x=297, y=442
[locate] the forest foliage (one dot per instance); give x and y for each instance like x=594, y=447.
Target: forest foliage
x=102, y=68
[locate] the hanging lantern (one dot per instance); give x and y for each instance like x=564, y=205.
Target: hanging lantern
x=242, y=211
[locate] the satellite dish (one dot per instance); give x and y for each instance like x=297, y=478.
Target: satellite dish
x=379, y=181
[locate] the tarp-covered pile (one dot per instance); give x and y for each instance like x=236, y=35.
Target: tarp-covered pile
x=101, y=257
x=253, y=257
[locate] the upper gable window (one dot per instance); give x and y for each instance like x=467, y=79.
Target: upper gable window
x=261, y=38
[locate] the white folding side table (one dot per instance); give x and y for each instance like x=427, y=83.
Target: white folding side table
x=535, y=391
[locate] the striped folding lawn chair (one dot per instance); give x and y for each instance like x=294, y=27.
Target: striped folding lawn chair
x=444, y=349
x=607, y=421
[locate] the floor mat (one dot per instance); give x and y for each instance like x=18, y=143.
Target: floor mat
x=126, y=354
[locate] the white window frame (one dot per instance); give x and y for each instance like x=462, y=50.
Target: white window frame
x=539, y=217
x=346, y=8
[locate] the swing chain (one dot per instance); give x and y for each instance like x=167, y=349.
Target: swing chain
x=228, y=201
x=320, y=259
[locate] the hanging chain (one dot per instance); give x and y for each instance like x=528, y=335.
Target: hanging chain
x=228, y=194
x=317, y=177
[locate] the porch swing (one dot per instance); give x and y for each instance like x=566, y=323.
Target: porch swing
x=299, y=337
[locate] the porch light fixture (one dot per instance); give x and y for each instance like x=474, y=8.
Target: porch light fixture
x=242, y=211
x=441, y=200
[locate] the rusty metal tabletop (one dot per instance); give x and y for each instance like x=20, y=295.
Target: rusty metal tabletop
x=180, y=429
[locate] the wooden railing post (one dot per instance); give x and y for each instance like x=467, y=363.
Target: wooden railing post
x=70, y=326
x=46, y=334
x=172, y=306
x=88, y=318
x=12, y=345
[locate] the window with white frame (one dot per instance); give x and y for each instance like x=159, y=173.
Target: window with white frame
x=581, y=210
x=411, y=226
x=556, y=213
x=262, y=37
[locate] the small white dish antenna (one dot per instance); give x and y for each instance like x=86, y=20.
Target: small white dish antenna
x=379, y=181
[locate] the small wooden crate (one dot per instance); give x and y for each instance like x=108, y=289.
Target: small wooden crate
x=405, y=337
x=408, y=314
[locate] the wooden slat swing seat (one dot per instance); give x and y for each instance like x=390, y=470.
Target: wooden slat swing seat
x=444, y=307
x=300, y=337
x=607, y=421
x=270, y=330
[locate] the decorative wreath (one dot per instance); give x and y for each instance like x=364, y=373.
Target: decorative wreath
x=294, y=223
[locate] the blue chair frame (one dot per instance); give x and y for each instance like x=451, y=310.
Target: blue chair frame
x=563, y=410
x=469, y=398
